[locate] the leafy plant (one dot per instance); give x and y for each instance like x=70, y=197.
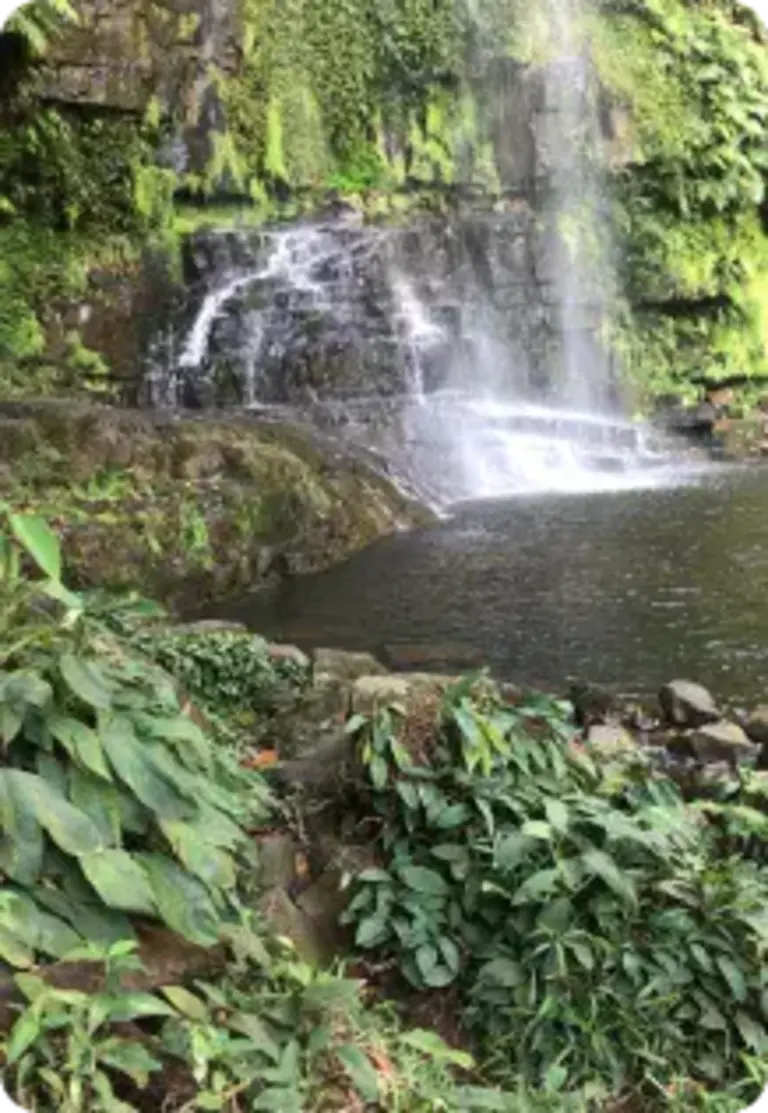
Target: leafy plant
x=588, y=926
x=112, y=801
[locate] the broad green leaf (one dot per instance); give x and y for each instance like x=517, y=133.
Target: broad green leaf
x=44, y=932
x=734, y=978
x=86, y=680
x=69, y=828
x=430, y=1044
x=254, y=1028
x=102, y=926
x=129, y=1057
x=374, y=877
x=423, y=880
x=426, y=959
x=456, y=815
x=753, y=1034
x=81, y=742
x=130, y=760
x=182, y=901
x=557, y=815
x=372, y=931
x=536, y=886
x=22, y=841
x=601, y=864
x=502, y=972
x=191, y=846
x=537, y=829
x=186, y=1003
x=99, y=800
x=361, y=1071
x=119, y=880
x=16, y=951
x=39, y=540
x=25, y=1031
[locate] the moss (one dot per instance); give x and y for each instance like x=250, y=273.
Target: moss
x=189, y=510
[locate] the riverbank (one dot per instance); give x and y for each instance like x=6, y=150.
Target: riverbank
x=199, y=825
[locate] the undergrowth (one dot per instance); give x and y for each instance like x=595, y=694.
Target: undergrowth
x=593, y=928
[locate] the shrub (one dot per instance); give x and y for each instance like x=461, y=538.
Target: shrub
x=590, y=928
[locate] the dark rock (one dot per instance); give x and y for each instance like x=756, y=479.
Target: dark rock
x=722, y=742
x=591, y=704
x=688, y=705
x=756, y=726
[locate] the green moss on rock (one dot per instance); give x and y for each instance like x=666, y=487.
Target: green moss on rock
x=190, y=510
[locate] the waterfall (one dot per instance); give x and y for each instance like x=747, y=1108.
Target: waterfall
x=465, y=351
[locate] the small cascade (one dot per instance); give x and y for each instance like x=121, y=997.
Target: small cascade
x=426, y=346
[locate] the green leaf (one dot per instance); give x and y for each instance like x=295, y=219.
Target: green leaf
x=753, y=1034
x=42, y=544
x=69, y=828
x=361, y=1071
x=129, y=1057
x=25, y=1031
x=22, y=842
x=423, y=880
x=130, y=760
x=456, y=815
x=372, y=931
x=119, y=880
x=430, y=1044
x=557, y=815
x=86, y=680
x=601, y=864
x=182, y=901
x=132, y=1006
x=254, y=1028
x=426, y=959
x=537, y=829
x=186, y=1003
x=81, y=742
x=211, y=865
x=379, y=771
x=99, y=800
x=502, y=972
x=734, y=978
x=15, y=951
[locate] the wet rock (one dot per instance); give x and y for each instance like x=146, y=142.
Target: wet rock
x=722, y=741
x=688, y=705
x=325, y=769
x=456, y=657
x=756, y=725
x=611, y=742
x=336, y=664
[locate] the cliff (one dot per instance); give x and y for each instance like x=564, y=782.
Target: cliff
x=145, y=112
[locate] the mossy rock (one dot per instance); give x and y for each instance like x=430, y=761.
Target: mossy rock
x=189, y=511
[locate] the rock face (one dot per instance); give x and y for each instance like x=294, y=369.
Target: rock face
x=722, y=741
x=121, y=53
x=189, y=511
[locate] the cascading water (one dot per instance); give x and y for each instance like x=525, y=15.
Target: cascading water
x=464, y=351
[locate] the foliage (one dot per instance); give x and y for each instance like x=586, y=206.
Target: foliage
x=593, y=935
x=228, y=672
x=689, y=179
x=113, y=801
x=40, y=21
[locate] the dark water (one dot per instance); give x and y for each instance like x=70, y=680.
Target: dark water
x=627, y=590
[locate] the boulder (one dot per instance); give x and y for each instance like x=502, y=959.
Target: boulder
x=291, y=654
x=611, y=742
x=722, y=741
x=337, y=664
x=688, y=705
x=372, y=692
x=591, y=704
x=756, y=725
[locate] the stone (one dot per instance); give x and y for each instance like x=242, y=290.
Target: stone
x=289, y=921
x=611, y=742
x=337, y=664
x=372, y=692
x=591, y=704
x=688, y=705
x=756, y=725
x=290, y=653
x=722, y=741
x=277, y=860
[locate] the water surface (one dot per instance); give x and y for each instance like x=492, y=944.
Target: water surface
x=627, y=589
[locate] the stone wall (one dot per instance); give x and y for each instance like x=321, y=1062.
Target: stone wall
x=122, y=53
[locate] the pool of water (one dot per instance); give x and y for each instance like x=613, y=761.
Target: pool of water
x=627, y=590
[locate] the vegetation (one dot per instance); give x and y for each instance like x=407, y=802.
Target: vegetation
x=597, y=933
